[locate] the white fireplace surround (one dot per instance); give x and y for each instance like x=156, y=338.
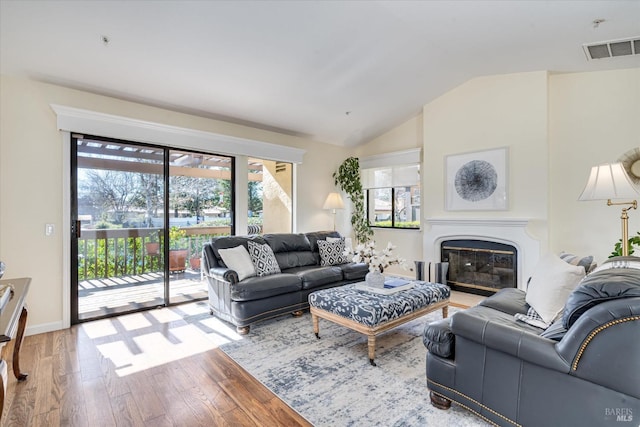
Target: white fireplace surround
x=511, y=231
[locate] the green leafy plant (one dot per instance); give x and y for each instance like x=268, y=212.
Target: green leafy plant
x=177, y=238
x=634, y=241
x=153, y=236
x=347, y=177
x=195, y=246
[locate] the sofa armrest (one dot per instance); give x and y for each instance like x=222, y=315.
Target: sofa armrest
x=502, y=332
x=439, y=339
x=603, y=345
x=211, y=268
x=508, y=300
x=222, y=274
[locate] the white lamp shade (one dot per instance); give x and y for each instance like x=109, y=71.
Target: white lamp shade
x=334, y=201
x=608, y=181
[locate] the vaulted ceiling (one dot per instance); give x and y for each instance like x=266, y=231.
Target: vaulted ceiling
x=340, y=72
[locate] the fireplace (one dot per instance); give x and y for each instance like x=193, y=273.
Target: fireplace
x=509, y=231
x=479, y=266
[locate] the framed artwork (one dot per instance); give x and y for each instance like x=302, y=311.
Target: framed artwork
x=477, y=180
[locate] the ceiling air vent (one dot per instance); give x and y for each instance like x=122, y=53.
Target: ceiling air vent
x=612, y=48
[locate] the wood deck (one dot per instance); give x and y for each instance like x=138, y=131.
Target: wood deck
x=102, y=297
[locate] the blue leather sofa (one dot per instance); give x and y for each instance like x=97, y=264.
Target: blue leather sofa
x=584, y=370
x=245, y=302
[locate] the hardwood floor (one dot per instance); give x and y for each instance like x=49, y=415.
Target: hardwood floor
x=152, y=368
x=72, y=382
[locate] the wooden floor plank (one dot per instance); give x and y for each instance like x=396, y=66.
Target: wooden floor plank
x=48, y=419
x=144, y=391
x=46, y=398
x=98, y=404
x=126, y=411
x=73, y=410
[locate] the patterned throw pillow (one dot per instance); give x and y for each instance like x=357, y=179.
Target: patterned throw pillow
x=263, y=259
x=348, y=245
x=332, y=253
x=586, y=262
x=533, y=318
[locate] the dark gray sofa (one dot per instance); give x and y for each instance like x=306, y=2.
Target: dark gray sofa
x=245, y=302
x=584, y=370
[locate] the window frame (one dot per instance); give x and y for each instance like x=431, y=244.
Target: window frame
x=371, y=211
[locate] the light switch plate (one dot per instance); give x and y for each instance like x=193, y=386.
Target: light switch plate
x=48, y=229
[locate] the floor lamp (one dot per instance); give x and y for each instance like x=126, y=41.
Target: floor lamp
x=333, y=202
x=610, y=181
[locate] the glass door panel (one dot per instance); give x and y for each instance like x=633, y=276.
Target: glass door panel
x=200, y=201
x=117, y=209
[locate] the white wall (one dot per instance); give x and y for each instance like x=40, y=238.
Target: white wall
x=488, y=113
x=593, y=119
x=31, y=181
x=485, y=113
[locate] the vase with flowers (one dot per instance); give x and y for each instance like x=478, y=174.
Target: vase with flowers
x=376, y=260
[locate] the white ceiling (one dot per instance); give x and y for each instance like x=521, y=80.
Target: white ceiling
x=341, y=72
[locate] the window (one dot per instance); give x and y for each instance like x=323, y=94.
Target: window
x=392, y=190
x=270, y=196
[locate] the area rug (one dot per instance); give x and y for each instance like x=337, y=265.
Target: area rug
x=330, y=382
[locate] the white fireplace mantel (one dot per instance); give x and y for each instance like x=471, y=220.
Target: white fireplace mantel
x=511, y=231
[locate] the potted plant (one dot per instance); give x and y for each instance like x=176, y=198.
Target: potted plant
x=177, y=249
x=153, y=245
x=634, y=242
x=194, y=251
x=348, y=178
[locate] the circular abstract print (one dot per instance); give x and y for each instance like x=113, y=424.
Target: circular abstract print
x=476, y=180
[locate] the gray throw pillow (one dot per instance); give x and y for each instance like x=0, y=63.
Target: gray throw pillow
x=238, y=260
x=585, y=262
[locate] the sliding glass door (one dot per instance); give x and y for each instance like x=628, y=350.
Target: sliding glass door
x=140, y=215
x=118, y=227
x=199, y=208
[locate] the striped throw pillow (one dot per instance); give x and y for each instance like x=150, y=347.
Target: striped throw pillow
x=586, y=262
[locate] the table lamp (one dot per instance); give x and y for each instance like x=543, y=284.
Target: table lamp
x=333, y=202
x=608, y=182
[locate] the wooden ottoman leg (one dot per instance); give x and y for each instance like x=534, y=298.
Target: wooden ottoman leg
x=371, y=341
x=316, y=325
x=445, y=311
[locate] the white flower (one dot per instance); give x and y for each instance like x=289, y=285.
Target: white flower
x=377, y=260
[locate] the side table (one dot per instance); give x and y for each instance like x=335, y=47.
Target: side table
x=13, y=319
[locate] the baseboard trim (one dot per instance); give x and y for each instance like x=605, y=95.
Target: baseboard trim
x=43, y=328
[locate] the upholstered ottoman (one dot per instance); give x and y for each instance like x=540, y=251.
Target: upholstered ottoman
x=371, y=313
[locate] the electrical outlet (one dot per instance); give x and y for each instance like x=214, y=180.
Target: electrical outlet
x=48, y=229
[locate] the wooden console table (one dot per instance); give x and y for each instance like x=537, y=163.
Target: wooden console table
x=13, y=319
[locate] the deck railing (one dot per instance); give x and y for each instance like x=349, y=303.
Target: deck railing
x=120, y=252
